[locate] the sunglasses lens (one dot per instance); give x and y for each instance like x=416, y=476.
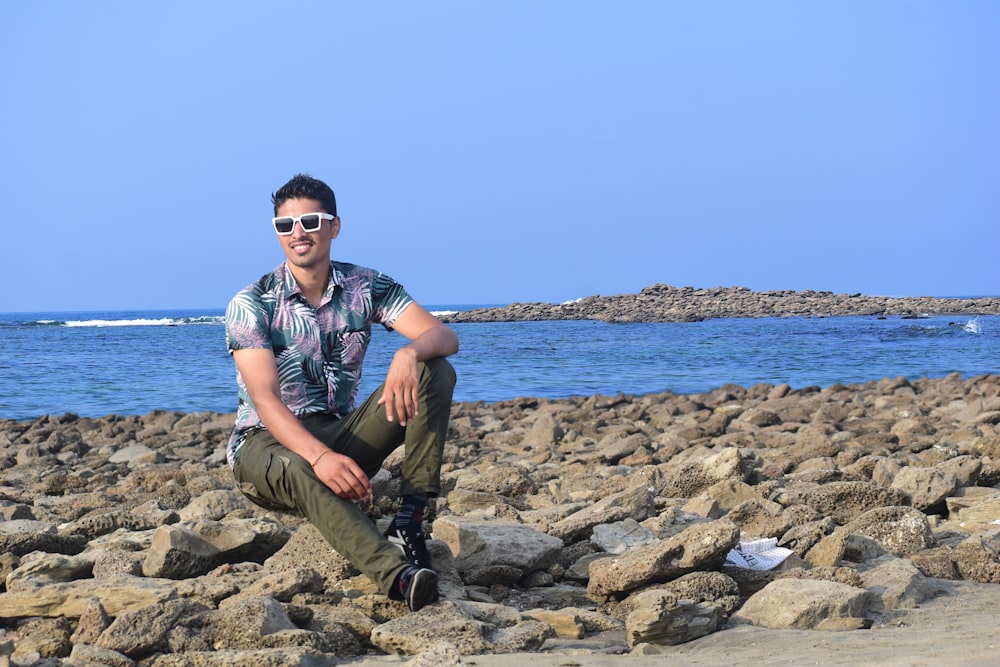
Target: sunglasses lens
x=310, y=223
x=284, y=225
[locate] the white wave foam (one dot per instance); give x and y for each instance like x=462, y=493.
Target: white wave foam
x=973, y=326
x=443, y=313
x=143, y=321
x=165, y=321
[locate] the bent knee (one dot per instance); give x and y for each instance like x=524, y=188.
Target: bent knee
x=442, y=373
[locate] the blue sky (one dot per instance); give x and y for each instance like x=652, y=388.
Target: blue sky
x=500, y=152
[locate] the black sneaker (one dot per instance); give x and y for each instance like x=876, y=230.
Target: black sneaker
x=419, y=587
x=412, y=542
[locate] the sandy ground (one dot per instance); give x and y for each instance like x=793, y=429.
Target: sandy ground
x=959, y=629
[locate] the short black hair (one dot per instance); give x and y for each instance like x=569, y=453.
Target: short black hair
x=304, y=186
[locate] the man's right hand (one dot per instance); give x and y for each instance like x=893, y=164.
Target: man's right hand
x=343, y=475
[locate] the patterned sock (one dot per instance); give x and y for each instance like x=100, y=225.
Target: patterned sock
x=412, y=511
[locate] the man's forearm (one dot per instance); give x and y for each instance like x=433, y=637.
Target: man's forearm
x=439, y=341
x=289, y=431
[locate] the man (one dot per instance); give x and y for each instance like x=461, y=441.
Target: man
x=298, y=337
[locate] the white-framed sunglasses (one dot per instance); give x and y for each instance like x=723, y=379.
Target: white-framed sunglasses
x=310, y=222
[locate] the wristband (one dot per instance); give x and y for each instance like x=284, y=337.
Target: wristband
x=325, y=452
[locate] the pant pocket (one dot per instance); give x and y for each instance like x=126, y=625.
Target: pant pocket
x=263, y=493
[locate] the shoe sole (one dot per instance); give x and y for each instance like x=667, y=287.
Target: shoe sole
x=423, y=589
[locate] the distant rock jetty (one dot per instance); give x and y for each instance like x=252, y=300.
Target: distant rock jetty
x=664, y=303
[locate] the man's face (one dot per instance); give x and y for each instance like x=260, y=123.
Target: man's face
x=307, y=249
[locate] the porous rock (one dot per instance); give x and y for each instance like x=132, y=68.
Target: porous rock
x=925, y=487
x=72, y=598
x=139, y=632
x=660, y=617
x=178, y=552
x=898, y=530
x=478, y=544
x=634, y=503
x=804, y=604
x=816, y=473
x=896, y=583
x=704, y=546
x=473, y=628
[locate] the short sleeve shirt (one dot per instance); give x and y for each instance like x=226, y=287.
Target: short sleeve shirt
x=319, y=351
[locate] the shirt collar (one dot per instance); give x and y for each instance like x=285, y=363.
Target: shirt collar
x=336, y=280
x=292, y=287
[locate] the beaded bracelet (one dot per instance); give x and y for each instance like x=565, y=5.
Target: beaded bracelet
x=325, y=452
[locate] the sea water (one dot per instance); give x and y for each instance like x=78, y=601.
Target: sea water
x=101, y=363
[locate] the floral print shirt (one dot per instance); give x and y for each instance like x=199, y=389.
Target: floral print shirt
x=319, y=351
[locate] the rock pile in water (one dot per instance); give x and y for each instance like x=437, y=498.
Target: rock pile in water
x=600, y=524
x=663, y=303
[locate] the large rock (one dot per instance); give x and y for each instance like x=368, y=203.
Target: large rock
x=564, y=622
x=473, y=628
x=241, y=540
x=896, y=583
x=442, y=654
x=214, y=505
x=925, y=487
x=44, y=638
x=688, y=478
x=545, y=433
x=307, y=546
x=139, y=632
x=898, y=530
x=634, y=503
x=284, y=585
x=39, y=568
x=700, y=547
x=108, y=522
x=977, y=558
x=71, y=599
x=660, y=617
x=979, y=514
x=279, y=657
x=806, y=604
x=244, y=622
x=483, y=544
x=87, y=654
x=843, y=501
x=178, y=552
x=619, y=537
x=843, y=545
x=22, y=536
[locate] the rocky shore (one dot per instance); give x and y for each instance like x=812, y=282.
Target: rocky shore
x=663, y=303
x=591, y=527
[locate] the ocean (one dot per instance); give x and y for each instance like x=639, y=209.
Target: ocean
x=130, y=362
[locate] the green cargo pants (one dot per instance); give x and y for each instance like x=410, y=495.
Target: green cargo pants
x=275, y=478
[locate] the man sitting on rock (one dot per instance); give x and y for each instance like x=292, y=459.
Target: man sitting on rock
x=298, y=336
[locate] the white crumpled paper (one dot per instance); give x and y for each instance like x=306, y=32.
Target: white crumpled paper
x=758, y=555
